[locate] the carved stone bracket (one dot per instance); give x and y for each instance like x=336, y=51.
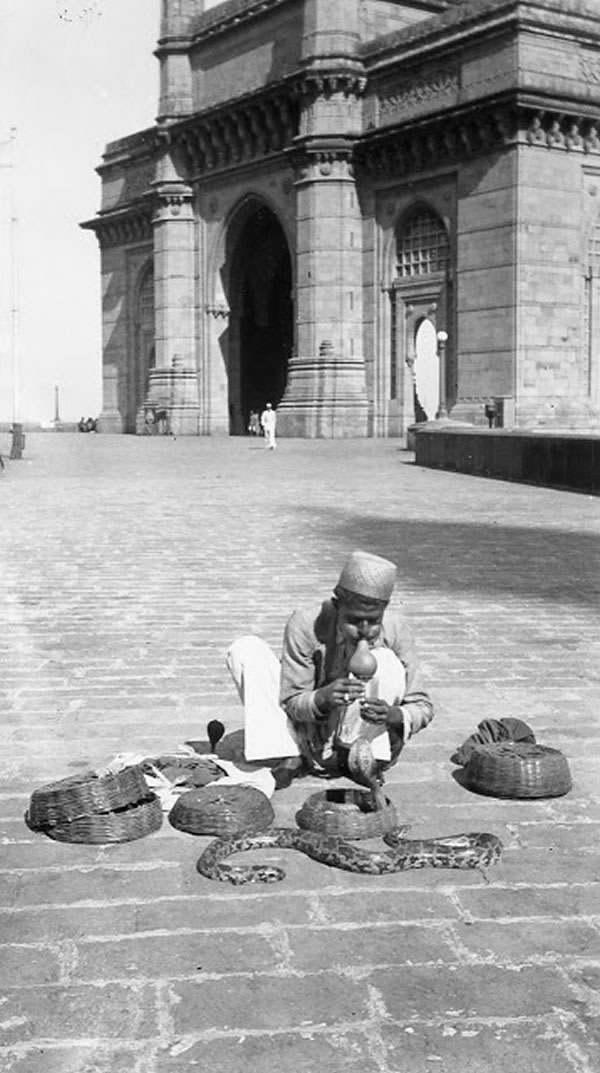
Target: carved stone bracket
x=326, y=83
x=321, y=160
x=124, y=228
x=173, y=199
x=239, y=135
x=435, y=142
x=558, y=131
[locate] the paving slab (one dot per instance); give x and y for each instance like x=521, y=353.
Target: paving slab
x=128, y=567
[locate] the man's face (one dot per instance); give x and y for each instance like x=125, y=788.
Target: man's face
x=360, y=621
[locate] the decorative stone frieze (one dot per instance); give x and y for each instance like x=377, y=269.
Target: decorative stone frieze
x=411, y=94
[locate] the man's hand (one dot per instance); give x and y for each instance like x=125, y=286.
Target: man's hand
x=374, y=710
x=339, y=694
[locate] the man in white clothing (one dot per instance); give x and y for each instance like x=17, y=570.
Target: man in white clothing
x=268, y=420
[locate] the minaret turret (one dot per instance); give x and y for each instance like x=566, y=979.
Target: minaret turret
x=173, y=55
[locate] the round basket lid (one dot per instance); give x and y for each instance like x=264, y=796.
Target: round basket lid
x=222, y=810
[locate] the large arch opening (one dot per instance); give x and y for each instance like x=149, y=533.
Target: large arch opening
x=262, y=318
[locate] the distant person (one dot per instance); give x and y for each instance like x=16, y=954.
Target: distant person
x=253, y=423
x=268, y=420
x=82, y=424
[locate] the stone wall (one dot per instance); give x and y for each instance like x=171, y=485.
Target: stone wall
x=485, y=290
x=566, y=461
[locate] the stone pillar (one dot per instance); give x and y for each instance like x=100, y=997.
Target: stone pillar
x=173, y=51
x=326, y=391
x=175, y=373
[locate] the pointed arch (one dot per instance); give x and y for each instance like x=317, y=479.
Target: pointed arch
x=252, y=280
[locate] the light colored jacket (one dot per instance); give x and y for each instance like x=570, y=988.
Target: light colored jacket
x=314, y=655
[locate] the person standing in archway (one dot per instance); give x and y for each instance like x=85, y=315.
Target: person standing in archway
x=268, y=420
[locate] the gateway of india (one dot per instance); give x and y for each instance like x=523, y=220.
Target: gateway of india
x=369, y=213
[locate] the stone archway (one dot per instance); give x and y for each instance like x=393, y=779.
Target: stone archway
x=261, y=314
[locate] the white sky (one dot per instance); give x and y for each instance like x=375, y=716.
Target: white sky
x=74, y=75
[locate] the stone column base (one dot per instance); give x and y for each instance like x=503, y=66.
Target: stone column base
x=337, y=418
x=325, y=397
x=174, y=393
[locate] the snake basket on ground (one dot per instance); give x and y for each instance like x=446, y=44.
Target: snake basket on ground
x=345, y=813
x=222, y=810
x=518, y=769
x=92, y=808
x=120, y=825
x=83, y=795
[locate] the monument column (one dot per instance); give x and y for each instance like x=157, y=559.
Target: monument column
x=173, y=52
x=173, y=383
x=326, y=391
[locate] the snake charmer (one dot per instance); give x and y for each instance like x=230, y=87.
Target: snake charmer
x=307, y=709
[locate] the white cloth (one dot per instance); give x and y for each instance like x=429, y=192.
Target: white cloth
x=269, y=733
x=168, y=792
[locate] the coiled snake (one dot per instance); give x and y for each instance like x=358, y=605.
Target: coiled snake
x=474, y=850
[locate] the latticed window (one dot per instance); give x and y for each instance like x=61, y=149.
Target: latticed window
x=422, y=245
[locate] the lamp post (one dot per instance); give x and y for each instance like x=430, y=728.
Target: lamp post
x=442, y=339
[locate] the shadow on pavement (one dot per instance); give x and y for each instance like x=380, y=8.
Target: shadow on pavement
x=472, y=556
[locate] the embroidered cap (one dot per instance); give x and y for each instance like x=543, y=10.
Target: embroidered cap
x=368, y=576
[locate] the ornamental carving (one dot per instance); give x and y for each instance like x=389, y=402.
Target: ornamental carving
x=324, y=163
x=414, y=94
x=328, y=83
x=590, y=68
x=566, y=133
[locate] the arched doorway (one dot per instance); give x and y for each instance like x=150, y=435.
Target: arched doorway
x=422, y=302
x=262, y=319
x=144, y=345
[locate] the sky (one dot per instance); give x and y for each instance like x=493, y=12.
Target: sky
x=74, y=75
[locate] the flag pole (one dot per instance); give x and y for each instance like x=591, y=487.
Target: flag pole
x=14, y=288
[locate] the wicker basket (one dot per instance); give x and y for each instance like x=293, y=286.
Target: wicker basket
x=222, y=810
x=345, y=813
x=518, y=769
x=122, y=825
x=83, y=795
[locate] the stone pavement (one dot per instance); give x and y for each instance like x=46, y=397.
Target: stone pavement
x=128, y=566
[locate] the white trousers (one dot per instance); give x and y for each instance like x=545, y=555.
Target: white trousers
x=268, y=732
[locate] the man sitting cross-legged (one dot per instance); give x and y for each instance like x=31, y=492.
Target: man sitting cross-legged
x=307, y=709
